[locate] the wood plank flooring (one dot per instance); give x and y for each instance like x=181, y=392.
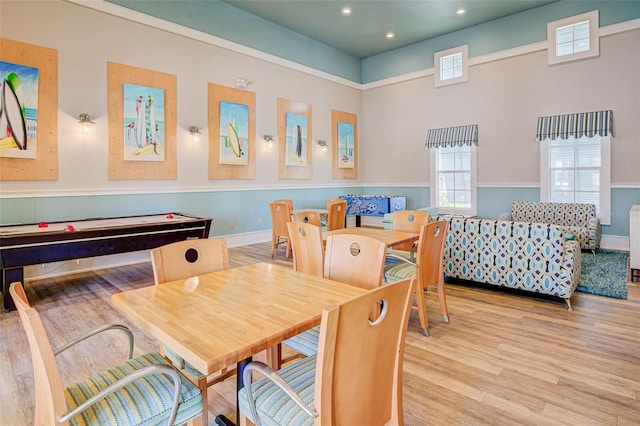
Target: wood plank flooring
x=502, y=360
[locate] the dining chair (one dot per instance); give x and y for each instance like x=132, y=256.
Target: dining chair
x=287, y=201
x=336, y=214
x=352, y=259
x=408, y=221
x=280, y=215
x=356, y=377
x=427, y=271
x=307, y=217
x=142, y=390
x=182, y=260
x=307, y=247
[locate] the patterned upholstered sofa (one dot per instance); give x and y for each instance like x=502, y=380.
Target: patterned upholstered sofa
x=575, y=218
x=520, y=255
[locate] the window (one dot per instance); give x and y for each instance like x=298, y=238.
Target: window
x=573, y=38
x=450, y=66
x=578, y=171
x=453, y=177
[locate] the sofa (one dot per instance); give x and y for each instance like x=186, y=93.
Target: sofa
x=533, y=257
x=575, y=219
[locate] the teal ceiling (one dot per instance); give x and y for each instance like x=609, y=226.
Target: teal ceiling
x=362, y=34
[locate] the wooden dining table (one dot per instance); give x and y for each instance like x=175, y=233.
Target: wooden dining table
x=391, y=238
x=222, y=319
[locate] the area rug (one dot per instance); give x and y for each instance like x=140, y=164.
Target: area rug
x=604, y=274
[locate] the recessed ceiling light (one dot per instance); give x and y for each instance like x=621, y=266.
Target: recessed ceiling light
x=460, y=11
x=389, y=35
x=346, y=11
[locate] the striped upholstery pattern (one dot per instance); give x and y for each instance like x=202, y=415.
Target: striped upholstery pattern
x=180, y=363
x=146, y=401
x=306, y=342
x=274, y=407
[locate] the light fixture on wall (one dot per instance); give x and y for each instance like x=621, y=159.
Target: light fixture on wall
x=323, y=144
x=242, y=83
x=269, y=139
x=85, y=121
x=195, y=132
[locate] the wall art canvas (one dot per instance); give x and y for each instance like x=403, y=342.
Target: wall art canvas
x=346, y=147
x=18, y=110
x=143, y=122
x=234, y=133
x=296, y=140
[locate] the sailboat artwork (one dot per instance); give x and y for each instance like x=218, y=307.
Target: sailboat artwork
x=346, y=146
x=18, y=110
x=234, y=134
x=296, y=143
x=143, y=122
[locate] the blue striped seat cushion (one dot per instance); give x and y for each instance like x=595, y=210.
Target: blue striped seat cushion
x=180, y=363
x=400, y=271
x=306, y=342
x=274, y=407
x=146, y=401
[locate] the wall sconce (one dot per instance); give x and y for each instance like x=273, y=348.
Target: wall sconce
x=242, y=83
x=269, y=139
x=195, y=132
x=323, y=144
x=85, y=121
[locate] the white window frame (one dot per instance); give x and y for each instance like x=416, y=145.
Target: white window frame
x=435, y=185
x=437, y=65
x=594, y=37
x=604, y=209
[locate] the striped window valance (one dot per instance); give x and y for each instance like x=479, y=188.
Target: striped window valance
x=452, y=136
x=576, y=125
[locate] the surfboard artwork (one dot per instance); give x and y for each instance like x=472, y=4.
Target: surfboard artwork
x=234, y=134
x=143, y=123
x=346, y=146
x=296, y=143
x=18, y=110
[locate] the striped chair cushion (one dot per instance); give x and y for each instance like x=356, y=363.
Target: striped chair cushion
x=146, y=401
x=180, y=363
x=274, y=407
x=399, y=271
x=306, y=342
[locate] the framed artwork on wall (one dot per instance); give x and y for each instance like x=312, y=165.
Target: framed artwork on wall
x=294, y=137
x=142, y=111
x=344, y=141
x=232, y=116
x=29, y=93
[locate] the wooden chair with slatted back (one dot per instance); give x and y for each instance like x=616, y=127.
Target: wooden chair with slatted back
x=183, y=260
x=310, y=217
x=159, y=393
x=427, y=272
x=308, y=251
x=356, y=378
x=280, y=216
x=336, y=214
x=408, y=221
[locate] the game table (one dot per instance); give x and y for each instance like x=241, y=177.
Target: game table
x=31, y=244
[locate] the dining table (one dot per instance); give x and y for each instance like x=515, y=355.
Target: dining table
x=391, y=238
x=221, y=319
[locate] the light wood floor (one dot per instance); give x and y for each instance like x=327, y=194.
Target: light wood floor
x=502, y=360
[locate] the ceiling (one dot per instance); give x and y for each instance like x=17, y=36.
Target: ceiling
x=362, y=34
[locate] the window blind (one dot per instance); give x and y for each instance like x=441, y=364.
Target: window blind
x=576, y=125
x=452, y=136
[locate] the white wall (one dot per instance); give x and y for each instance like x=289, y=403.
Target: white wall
x=87, y=39
x=505, y=97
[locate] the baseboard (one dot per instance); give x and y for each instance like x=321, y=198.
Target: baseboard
x=614, y=242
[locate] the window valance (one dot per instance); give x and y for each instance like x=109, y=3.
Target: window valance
x=452, y=136
x=577, y=125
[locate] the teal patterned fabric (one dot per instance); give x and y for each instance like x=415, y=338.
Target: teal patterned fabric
x=578, y=219
x=181, y=364
x=274, y=407
x=306, y=342
x=520, y=255
x=146, y=401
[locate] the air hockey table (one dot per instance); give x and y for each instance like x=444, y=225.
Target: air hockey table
x=31, y=244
